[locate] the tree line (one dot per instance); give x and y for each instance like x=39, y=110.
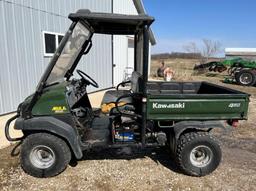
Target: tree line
x=203, y=51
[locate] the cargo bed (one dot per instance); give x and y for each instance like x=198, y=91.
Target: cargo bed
x=194, y=101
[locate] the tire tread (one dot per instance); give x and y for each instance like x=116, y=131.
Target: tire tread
x=30, y=140
x=184, y=141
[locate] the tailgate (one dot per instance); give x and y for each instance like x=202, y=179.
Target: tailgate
x=197, y=107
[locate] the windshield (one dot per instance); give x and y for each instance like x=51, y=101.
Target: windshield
x=69, y=53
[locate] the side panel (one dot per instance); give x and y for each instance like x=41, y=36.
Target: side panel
x=197, y=108
x=52, y=101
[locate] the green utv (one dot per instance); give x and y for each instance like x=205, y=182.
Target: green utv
x=59, y=123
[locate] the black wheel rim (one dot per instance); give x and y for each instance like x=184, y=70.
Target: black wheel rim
x=246, y=78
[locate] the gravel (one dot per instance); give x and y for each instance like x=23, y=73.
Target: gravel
x=131, y=169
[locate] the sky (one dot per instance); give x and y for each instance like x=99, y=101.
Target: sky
x=179, y=22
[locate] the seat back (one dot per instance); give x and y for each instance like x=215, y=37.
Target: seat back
x=136, y=82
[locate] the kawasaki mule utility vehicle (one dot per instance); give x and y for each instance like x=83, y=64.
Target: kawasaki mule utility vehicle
x=59, y=123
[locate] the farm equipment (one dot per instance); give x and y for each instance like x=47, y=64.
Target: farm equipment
x=239, y=70
x=59, y=123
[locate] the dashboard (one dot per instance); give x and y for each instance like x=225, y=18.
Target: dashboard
x=77, y=94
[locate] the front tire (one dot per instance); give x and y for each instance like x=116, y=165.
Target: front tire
x=198, y=153
x=44, y=155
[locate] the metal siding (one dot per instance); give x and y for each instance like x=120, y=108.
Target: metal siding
x=5, y=71
x=121, y=41
x=2, y=56
x=124, y=7
x=8, y=74
x=21, y=45
x=99, y=67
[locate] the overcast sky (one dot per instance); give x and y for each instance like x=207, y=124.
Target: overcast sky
x=178, y=22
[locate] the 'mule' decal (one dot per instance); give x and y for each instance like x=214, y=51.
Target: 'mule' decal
x=59, y=109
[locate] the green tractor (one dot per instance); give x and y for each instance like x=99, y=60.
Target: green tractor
x=59, y=123
x=242, y=71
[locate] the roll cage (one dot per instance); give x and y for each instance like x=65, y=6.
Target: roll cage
x=102, y=23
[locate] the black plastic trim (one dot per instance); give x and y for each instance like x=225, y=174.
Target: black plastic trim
x=54, y=126
x=205, y=125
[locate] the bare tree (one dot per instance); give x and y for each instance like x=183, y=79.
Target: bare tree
x=208, y=49
x=191, y=48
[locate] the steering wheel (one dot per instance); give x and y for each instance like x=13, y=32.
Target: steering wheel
x=87, y=79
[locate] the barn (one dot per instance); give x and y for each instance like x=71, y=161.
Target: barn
x=31, y=31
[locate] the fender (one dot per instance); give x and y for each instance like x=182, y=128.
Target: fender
x=55, y=126
x=206, y=125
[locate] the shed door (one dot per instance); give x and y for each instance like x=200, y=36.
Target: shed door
x=130, y=53
x=123, y=58
x=130, y=60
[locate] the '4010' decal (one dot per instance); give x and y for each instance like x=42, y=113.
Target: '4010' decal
x=234, y=105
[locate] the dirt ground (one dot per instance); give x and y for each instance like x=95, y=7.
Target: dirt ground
x=126, y=169
x=149, y=169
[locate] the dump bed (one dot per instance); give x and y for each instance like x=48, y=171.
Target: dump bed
x=194, y=101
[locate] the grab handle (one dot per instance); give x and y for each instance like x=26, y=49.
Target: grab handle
x=7, y=129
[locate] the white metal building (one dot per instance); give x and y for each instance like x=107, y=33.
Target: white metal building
x=32, y=29
x=246, y=53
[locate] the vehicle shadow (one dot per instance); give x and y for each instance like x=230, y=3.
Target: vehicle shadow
x=159, y=155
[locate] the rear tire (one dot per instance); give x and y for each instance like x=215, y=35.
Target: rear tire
x=44, y=155
x=245, y=78
x=198, y=153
